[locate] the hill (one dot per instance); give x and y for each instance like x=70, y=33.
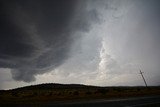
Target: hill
x=53, y=92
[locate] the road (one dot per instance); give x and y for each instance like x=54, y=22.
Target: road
x=131, y=102
x=152, y=101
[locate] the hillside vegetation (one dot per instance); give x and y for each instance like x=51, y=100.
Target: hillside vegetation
x=67, y=92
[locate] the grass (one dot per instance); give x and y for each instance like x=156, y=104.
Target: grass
x=66, y=92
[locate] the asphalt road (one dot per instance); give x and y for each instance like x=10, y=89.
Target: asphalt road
x=153, y=101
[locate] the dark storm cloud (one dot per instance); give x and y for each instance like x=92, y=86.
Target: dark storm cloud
x=36, y=35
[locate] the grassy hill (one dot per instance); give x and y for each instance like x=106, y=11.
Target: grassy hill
x=65, y=92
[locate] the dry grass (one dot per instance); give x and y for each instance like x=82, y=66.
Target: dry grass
x=34, y=94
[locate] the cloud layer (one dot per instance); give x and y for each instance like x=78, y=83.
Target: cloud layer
x=99, y=42
x=36, y=36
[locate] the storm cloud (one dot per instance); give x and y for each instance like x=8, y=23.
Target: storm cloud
x=36, y=36
x=96, y=42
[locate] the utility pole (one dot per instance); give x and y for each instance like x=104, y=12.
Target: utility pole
x=143, y=78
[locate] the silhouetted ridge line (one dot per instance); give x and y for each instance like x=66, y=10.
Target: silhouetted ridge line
x=47, y=86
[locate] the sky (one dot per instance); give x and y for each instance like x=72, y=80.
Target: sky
x=91, y=42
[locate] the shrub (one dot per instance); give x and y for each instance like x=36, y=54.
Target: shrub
x=50, y=94
x=15, y=94
x=76, y=93
x=59, y=93
x=102, y=91
x=88, y=93
x=138, y=89
x=35, y=93
x=70, y=93
x=117, y=89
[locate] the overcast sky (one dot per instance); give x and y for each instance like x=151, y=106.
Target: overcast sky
x=95, y=42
